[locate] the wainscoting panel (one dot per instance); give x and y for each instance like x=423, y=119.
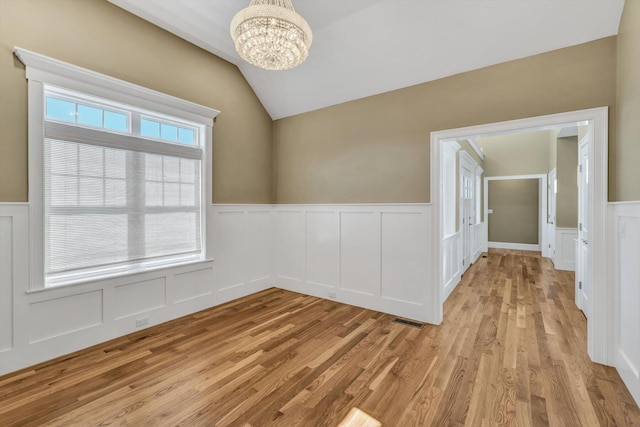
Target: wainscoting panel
x=360, y=256
x=230, y=246
x=242, y=249
x=139, y=297
x=191, y=285
x=60, y=316
x=290, y=248
x=478, y=240
x=259, y=247
x=373, y=256
x=322, y=251
x=405, y=262
x=6, y=277
x=626, y=231
x=451, y=264
x=565, y=248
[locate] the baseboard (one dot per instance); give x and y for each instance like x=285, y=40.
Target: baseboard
x=629, y=375
x=564, y=265
x=514, y=246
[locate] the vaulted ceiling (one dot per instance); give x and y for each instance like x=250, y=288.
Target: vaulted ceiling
x=364, y=47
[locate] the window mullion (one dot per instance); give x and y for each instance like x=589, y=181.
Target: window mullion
x=135, y=203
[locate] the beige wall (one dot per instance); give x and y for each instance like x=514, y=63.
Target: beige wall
x=523, y=153
x=531, y=153
x=627, y=153
x=527, y=153
x=102, y=37
x=376, y=149
x=515, y=211
x=566, y=173
x=582, y=131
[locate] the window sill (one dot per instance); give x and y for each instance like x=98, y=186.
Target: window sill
x=130, y=272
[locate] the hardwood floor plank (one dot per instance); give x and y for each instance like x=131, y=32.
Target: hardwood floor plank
x=510, y=351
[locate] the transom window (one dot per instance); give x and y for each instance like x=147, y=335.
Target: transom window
x=58, y=108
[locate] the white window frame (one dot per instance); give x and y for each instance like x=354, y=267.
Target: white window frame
x=42, y=70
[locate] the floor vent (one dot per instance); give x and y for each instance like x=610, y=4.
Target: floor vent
x=409, y=323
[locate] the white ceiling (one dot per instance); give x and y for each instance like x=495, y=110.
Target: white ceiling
x=364, y=47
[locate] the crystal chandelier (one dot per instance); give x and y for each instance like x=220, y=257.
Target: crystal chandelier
x=271, y=35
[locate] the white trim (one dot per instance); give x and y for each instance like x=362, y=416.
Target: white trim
x=42, y=70
x=629, y=202
x=476, y=147
x=56, y=72
x=600, y=328
x=514, y=246
x=511, y=177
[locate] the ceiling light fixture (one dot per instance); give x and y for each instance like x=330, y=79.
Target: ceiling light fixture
x=271, y=35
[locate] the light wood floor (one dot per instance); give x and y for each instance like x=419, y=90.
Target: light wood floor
x=511, y=351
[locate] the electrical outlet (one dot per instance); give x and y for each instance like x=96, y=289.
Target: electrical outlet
x=332, y=294
x=142, y=322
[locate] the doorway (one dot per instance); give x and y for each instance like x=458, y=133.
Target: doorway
x=600, y=304
x=517, y=217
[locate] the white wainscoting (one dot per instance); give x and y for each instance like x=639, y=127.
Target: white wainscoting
x=242, y=248
x=625, y=257
x=452, y=264
x=372, y=256
x=565, y=248
x=478, y=241
x=40, y=325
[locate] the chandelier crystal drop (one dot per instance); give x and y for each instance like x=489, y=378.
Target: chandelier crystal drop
x=271, y=35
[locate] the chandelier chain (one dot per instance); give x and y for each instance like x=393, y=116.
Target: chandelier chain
x=287, y=4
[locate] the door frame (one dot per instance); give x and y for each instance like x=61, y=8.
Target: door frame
x=543, y=238
x=579, y=294
x=552, y=203
x=600, y=327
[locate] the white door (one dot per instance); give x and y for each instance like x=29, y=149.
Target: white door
x=551, y=214
x=466, y=208
x=583, y=275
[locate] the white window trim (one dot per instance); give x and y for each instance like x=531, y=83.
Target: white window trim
x=41, y=70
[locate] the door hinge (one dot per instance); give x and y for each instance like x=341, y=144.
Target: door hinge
x=579, y=285
x=580, y=168
x=580, y=227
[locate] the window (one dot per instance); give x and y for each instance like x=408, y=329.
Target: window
x=117, y=175
x=113, y=200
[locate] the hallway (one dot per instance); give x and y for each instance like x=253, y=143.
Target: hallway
x=511, y=351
